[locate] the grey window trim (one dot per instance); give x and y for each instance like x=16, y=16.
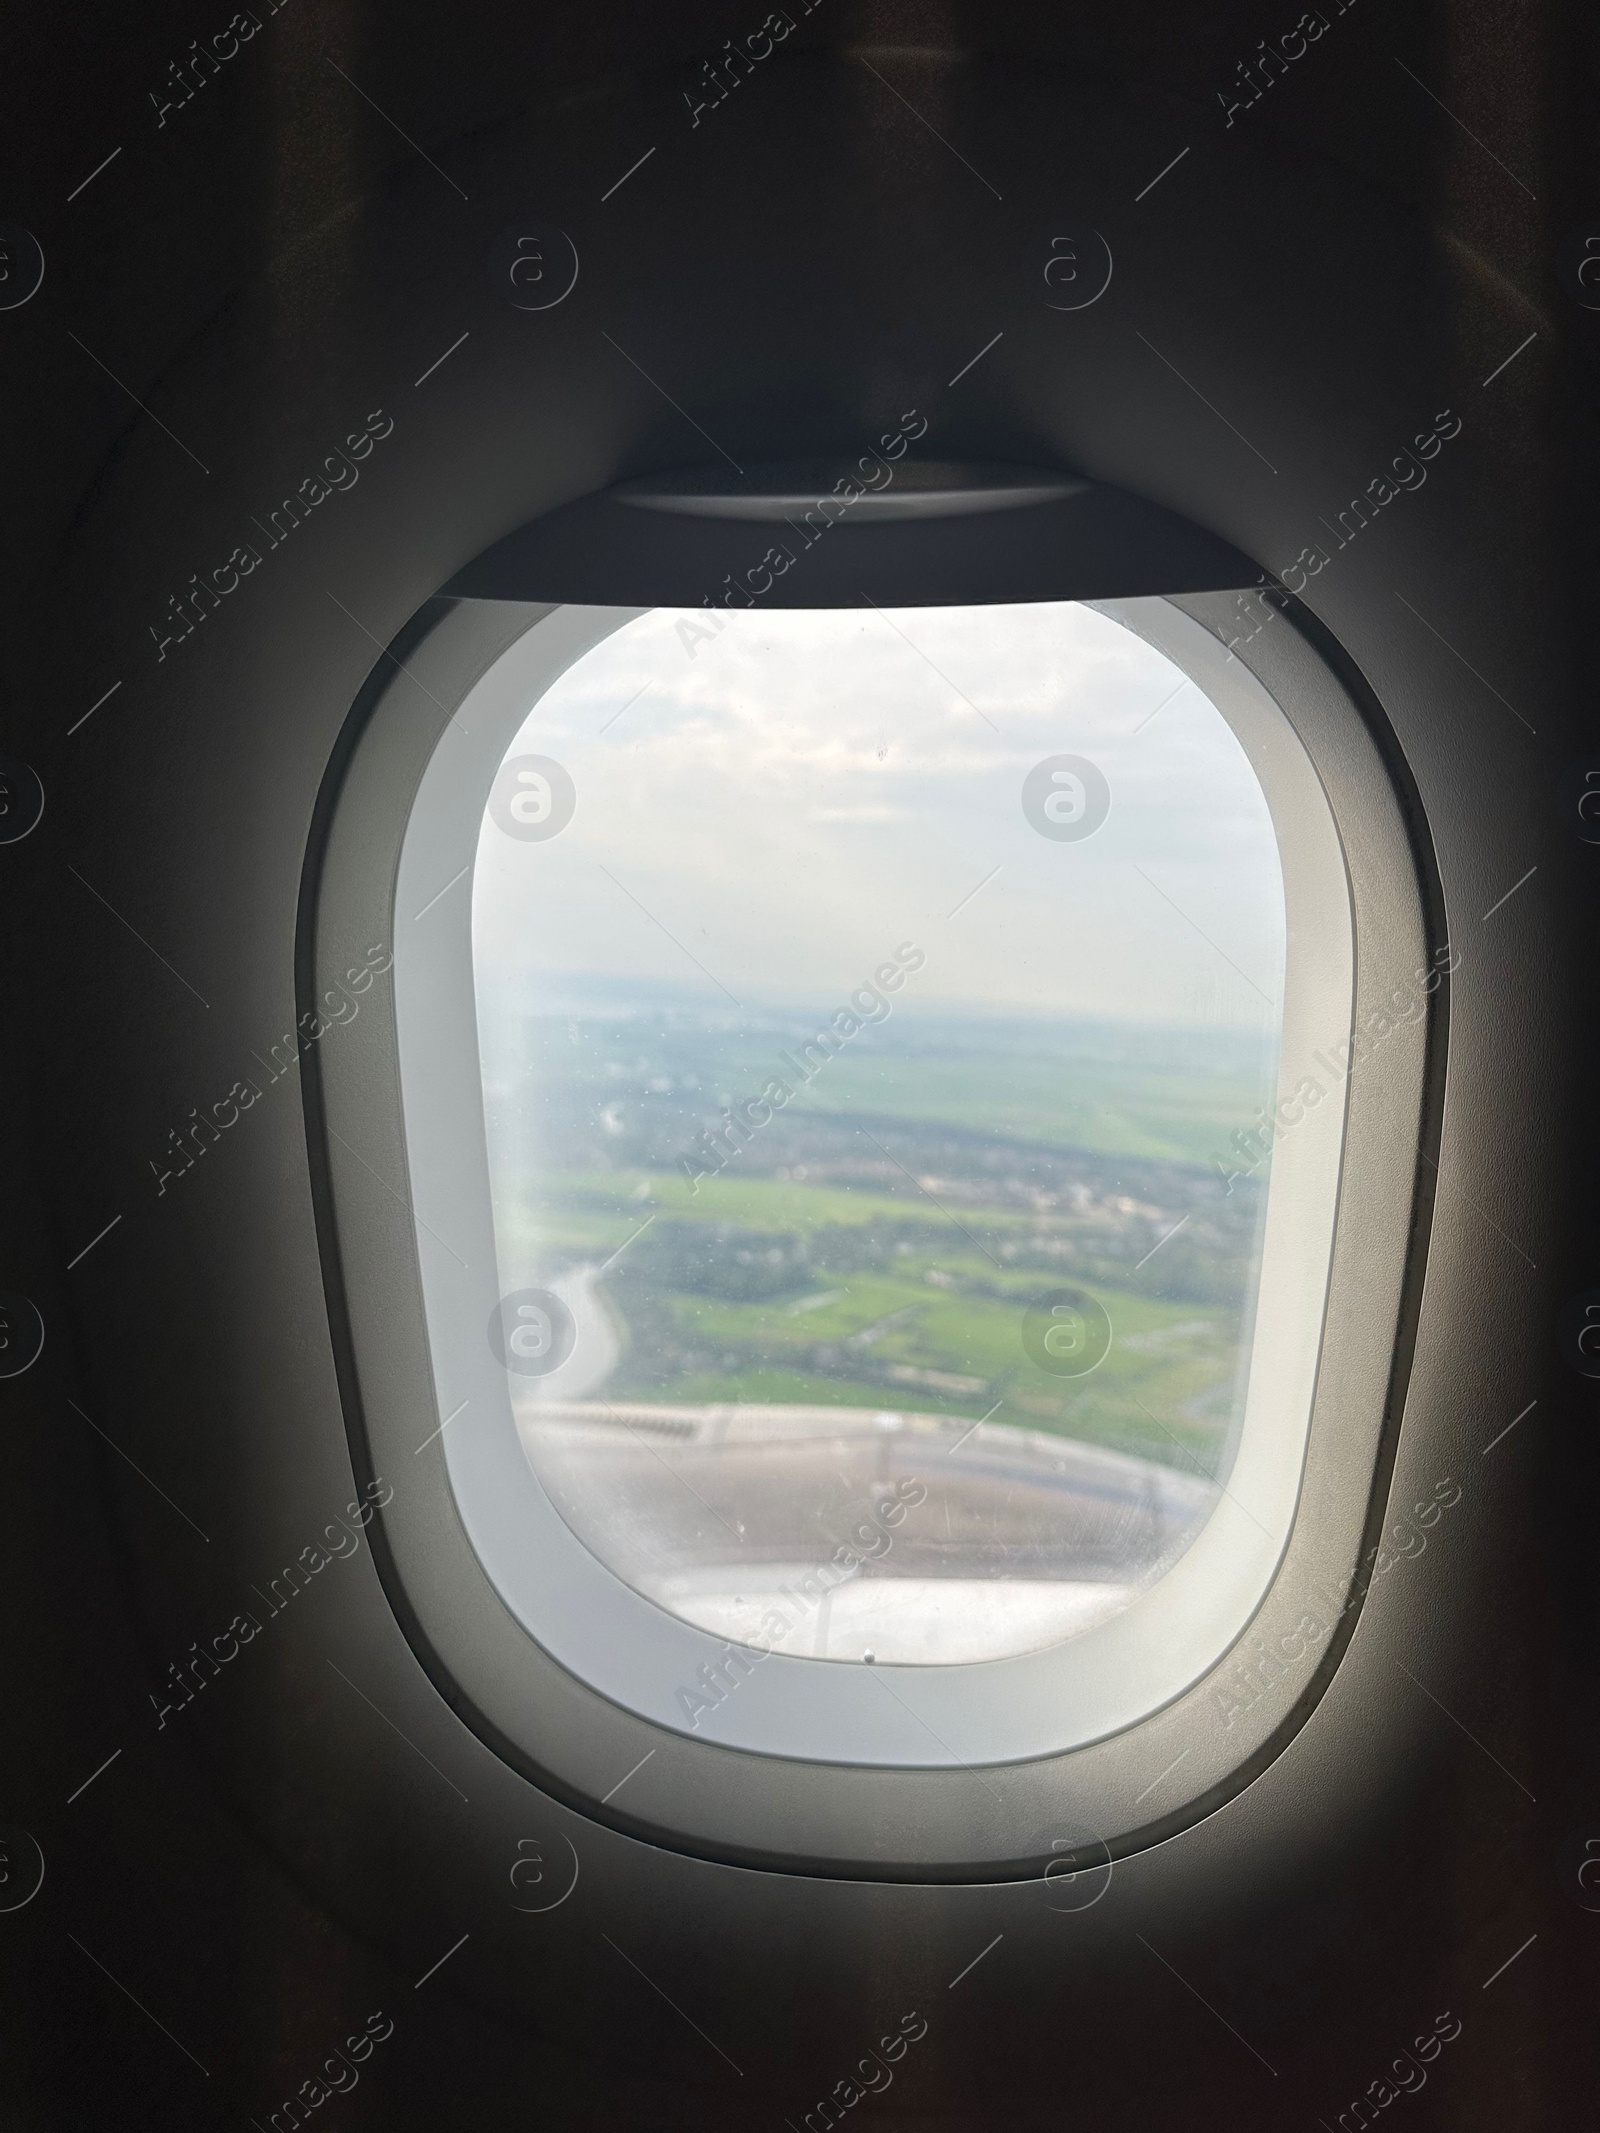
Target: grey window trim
x=647, y=1659
x=951, y=1823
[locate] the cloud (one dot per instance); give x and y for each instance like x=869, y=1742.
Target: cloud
x=816, y=786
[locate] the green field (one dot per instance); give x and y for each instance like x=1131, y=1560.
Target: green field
x=1104, y=1108
x=837, y=1333
x=877, y=1240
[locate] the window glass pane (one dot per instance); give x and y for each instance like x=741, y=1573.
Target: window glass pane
x=877, y=1012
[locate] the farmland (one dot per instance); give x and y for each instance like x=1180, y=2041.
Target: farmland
x=877, y=1239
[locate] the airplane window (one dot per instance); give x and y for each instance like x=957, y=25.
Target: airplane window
x=873, y=1183
x=880, y=1020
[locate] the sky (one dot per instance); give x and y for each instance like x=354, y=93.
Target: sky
x=782, y=808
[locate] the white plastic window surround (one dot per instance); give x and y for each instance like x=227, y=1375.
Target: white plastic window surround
x=630, y=1650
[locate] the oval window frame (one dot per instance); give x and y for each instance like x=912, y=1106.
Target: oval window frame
x=1045, y=1702
x=770, y=1807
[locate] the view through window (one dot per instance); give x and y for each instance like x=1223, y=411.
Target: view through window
x=876, y=1010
